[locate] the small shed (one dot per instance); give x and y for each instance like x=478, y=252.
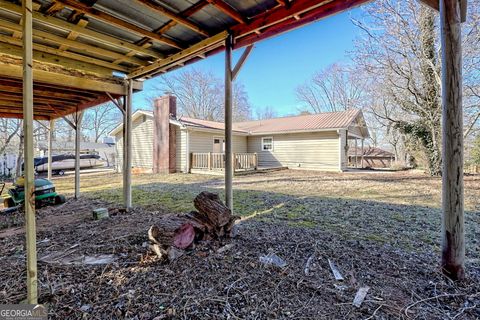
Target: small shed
x=371, y=157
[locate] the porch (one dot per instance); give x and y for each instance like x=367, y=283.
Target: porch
x=214, y=162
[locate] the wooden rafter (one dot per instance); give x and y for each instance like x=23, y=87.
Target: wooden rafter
x=202, y=46
x=172, y=23
x=59, y=79
x=67, y=54
x=172, y=15
x=267, y=24
x=107, y=18
x=228, y=9
x=73, y=35
x=64, y=25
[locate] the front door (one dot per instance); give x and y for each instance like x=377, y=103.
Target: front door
x=218, y=145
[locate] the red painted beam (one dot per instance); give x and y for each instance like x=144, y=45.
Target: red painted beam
x=282, y=19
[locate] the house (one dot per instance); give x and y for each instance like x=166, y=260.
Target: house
x=372, y=158
x=165, y=143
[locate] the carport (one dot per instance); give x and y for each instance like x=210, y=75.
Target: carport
x=60, y=57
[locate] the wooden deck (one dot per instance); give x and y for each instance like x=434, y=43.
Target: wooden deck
x=214, y=163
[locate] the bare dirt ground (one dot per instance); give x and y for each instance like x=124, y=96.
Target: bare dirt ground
x=381, y=230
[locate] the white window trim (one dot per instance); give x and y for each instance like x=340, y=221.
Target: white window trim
x=263, y=149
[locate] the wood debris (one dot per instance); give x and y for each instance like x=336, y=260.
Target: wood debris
x=338, y=276
x=360, y=296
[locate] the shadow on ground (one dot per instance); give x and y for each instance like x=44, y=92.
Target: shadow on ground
x=393, y=249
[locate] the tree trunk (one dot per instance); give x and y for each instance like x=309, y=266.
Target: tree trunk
x=18, y=170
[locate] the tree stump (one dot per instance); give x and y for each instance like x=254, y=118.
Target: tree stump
x=213, y=221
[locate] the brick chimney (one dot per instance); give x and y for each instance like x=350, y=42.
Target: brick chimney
x=164, y=137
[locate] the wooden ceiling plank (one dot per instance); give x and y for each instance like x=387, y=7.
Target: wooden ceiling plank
x=20, y=116
x=97, y=36
x=54, y=92
x=89, y=49
x=107, y=18
x=6, y=97
x=228, y=10
x=172, y=15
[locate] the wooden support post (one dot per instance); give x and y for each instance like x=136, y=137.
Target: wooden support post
x=209, y=161
x=453, y=232
x=356, y=149
x=127, y=147
x=256, y=160
x=78, y=134
x=31, y=242
x=361, y=159
x=51, y=127
x=228, y=123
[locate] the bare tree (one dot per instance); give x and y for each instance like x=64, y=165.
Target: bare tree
x=9, y=129
x=336, y=88
x=99, y=121
x=265, y=113
x=201, y=95
x=399, y=54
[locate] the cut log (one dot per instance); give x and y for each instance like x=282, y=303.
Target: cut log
x=213, y=208
x=172, y=231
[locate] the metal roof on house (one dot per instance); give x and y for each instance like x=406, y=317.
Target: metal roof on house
x=302, y=123
x=309, y=122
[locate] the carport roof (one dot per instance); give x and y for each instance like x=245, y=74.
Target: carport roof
x=80, y=45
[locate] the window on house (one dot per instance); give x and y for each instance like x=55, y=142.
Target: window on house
x=267, y=144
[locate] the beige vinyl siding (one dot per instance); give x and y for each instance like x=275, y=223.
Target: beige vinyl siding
x=319, y=150
x=142, y=144
x=181, y=149
x=203, y=142
x=355, y=129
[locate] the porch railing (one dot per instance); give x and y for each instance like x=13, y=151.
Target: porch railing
x=216, y=161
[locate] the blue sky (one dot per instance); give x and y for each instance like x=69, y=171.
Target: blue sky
x=278, y=65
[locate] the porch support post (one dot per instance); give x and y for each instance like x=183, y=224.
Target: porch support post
x=31, y=242
x=51, y=127
x=228, y=123
x=78, y=134
x=356, y=149
x=127, y=148
x=453, y=234
x=361, y=159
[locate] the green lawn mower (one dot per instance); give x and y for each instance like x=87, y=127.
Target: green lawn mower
x=44, y=194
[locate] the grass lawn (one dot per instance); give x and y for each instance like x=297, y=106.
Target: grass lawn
x=397, y=208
